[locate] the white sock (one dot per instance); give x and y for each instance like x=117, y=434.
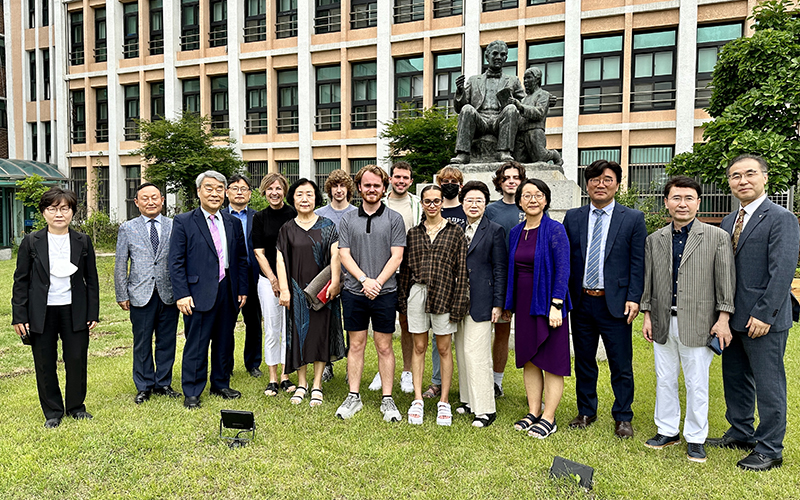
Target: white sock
x=498, y=379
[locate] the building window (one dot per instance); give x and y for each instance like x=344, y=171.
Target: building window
x=329, y=98
x=365, y=95
x=130, y=47
x=3, y=114
x=363, y=14
x=46, y=73
x=653, y=82
x=255, y=21
x=133, y=177
x=101, y=95
x=601, y=88
x=287, y=101
x=290, y=169
x=490, y=5
x=510, y=66
x=132, y=112
x=45, y=12
x=286, y=20
x=256, y=84
x=100, y=48
x=406, y=11
x=710, y=40
x=257, y=170
x=218, y=34
x=191, y=95
x=190, y=24
x=323, y=168
x=156, y=101
x=34, y=142
x=32, y=73
x=447, y=8
x=78, y=116
x=540, y=2
x=156, y=27
x=78, y=184
x=647, y=171
x=48, y=142
x=588, y=156
x=31, y=13
x=328, y=17
x=549, y=58
x=76, y=38
x=447, y=67
x=219, y=103
x=408, y=83
x=102, y=189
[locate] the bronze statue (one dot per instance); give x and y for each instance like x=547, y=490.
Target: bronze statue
x=531, y=143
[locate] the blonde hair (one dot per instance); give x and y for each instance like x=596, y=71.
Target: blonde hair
x=373, y=169
x=270, y=179
x=449, y=173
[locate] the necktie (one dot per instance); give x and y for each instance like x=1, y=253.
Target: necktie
x=153, y=236
x=469, y=233
x=737, y=229
x=218, y=244
x=593, y=267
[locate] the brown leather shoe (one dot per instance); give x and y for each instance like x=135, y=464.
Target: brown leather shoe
x=582, y=421
x=623, y=430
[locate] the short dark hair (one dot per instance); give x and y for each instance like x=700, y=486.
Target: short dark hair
x=301, y=182
x=474, y=186
x=500, y=174
x=681, y=181
x=541, y=185
x=430, y=187
x=402, y=165
x=597, y=167
x=239, y=177
x=145, y=185
x=56, y=196
x=747, y=156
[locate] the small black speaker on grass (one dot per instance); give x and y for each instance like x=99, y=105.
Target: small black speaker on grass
x=243, y=422
x=567, y=468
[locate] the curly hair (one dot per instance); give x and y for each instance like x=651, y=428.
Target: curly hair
x=373, y=169
x=500, y=174
x=337, y=177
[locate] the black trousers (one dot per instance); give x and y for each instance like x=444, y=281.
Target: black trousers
x=160, y=319
x=75, y=348
x=253, y=338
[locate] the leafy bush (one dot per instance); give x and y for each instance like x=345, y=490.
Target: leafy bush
x=655, y=215
x=100, y=229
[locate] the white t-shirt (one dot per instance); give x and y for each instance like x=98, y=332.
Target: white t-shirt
x=60, y=293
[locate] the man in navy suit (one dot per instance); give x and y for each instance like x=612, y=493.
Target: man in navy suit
x=606, y=282
x=208, y=267
x=765, y=239
x=239, y=192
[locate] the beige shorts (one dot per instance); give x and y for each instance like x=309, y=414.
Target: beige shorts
x=419, y=321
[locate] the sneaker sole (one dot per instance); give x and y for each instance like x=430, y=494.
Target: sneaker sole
x=661, y=447
x=414, y=421
x=444, y=422
x=392, y=418
x=697, y=460
x=343, y=417
x=407, y=390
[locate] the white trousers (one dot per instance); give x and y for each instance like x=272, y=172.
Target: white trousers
x=696, y=362
x=274, y=315
x=474, y=356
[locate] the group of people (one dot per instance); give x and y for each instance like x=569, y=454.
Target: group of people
x=447, y=262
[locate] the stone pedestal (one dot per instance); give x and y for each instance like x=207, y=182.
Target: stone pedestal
x=5, y=254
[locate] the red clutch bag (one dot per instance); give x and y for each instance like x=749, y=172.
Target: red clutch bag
x=323, y=294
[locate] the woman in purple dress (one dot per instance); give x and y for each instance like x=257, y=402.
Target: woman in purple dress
x=538, y=272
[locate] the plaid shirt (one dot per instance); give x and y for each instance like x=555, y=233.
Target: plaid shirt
x=441, y=265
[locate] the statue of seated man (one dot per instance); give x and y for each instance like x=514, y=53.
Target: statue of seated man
x=481, y=112
x=532, y=143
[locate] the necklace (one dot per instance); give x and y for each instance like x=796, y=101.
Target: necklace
x=529, y=230
x=305, y=222
x=435, y=229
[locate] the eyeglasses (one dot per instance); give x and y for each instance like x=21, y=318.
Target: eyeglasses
x=607, y=181
x=211, y=189
x=749, y=175
x=432, y=203
x=474, y=201
x=54, y=210
x=679, y=199
x=528, y=196
x=239, y=189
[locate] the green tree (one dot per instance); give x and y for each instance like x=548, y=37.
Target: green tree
x=755, y=102
x=179, y=150
x=655, y=214
x=426, y=140
x=29, y=192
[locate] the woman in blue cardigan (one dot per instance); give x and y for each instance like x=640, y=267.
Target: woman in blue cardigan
x=538, y=272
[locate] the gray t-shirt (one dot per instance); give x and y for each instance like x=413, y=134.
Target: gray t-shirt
x=335, y=215
x=504, y=214
x=370, y=239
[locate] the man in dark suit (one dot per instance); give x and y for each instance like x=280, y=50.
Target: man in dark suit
x=766, y=240
x=606, y=280
x=208, y=267
x=239, y=192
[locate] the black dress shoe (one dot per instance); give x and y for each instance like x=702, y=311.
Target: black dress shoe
x=623, y=430
x=81, y=415
x=756, y=461
x=141, y=397
x=728, y=442
x=254, y=372
x=191, y=402
x=167, y=391
x=226, y=393
x=582, y=421
x=660, y=441
x=52, y=423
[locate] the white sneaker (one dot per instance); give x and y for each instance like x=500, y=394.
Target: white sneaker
x=376, y=385
x=416, y=412
x=390, y=411
x=351, y=405
x=444, y=416
x=406, y=382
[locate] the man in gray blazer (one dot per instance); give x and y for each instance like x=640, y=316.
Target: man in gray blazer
x=689, y=282
x=146, y=291
x=766, y=240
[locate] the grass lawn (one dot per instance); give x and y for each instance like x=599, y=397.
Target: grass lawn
x=161, y=450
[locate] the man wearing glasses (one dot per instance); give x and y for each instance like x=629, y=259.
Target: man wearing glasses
x=606, y=280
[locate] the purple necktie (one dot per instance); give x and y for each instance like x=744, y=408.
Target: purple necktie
x=218, y=245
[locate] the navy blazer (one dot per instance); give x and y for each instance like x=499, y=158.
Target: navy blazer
x=251, y=256
x=623, y=264
x=193, y=261
x=765, y=258
x=486, y=264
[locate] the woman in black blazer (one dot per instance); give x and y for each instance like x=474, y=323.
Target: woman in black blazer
x=56, y=294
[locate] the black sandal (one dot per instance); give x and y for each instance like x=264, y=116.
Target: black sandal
x=299, y=395
x=288, y=386
x=526, y=422
x=484, y=421
x=542, y=429
x=272, y=389
x=464, y=409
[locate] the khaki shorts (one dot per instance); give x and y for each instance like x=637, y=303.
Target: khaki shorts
x=419, y=321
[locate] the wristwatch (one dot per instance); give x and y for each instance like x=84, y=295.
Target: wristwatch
x=363, y=278
x=557, y=305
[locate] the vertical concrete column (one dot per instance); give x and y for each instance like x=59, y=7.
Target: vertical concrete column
x=385, y=68
x=61, y=125
x=472, y=38
x=236, y=80
x=685, y=76
x=116, y=97
x=572, y=88
x=173, y=93
x=306, y=82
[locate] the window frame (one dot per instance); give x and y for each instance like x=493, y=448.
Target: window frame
x=156, y=11
x=259, y=124
x=219, y=117
x=46, y=84
x=131, y=127
x=660, y=99
x=327, y=12
x=34, y=141
x=191, y=96
x=103, y=185
x=364, y=112
x=218, y=28
x=101, y=123
x=495, y=5
x=100, y=43
x=76, y=53
x=133, y=177
x=417, y=76
x=287, y=113
x=190, y=33
x=130, y=45
x=33, y=94
x=78, y=130
x=285, y=20
x=447, y=8
x=703, y=95
x=48, y=141
x=366, y=17
x=255, y=25
x=334, y=120
x=615, y=103
x=157, y=101
x=452, y=73
x=554, y=89
x=45, y=12
x=408, y=11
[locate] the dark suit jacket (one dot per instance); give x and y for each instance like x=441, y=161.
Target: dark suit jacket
x=765, y=257
x=193, y=261
x=32, y=281
x=486, y=264
x=252, y=263
x=623, y=264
